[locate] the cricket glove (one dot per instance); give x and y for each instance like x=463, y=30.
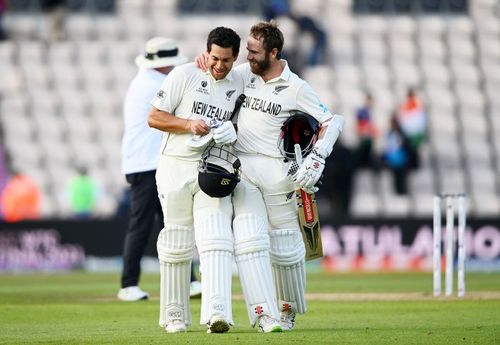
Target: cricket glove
x=293, y=168
x=311, y=190
x=225, y=134
x=310, y=171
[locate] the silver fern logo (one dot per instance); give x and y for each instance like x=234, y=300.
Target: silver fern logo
x=229, y=94
x=278, y=89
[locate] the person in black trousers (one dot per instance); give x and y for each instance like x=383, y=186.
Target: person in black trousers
x=140, y=154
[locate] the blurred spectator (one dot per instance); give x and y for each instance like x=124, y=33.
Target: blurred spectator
x=123, y=207
x=4, y=174
x=275, y=8
x=367, y=133
x=396, y=155
x=337, y=180
x=20, y=199
x=55, y=11
x=306, y=25
x=3, y=7
x=82, y=193
x=413, y=122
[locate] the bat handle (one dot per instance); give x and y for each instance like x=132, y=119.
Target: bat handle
x=298, y=153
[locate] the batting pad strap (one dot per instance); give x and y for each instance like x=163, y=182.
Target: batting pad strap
x=175, y=244
x=287, y=247
x=250, y=234
x=324, y=146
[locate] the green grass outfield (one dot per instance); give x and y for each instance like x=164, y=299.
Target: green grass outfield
x=347, y=308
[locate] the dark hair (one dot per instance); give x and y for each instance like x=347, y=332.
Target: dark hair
x=272, y=37
x=225, y=38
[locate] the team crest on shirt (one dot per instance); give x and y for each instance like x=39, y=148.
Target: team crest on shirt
x=229, y=94
x=251, y=85
x=203, y=88
x=160, y=94
x=278, y=89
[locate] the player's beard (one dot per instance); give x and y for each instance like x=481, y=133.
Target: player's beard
x=260, y=67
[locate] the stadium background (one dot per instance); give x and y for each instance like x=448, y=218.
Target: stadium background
x=61, y=102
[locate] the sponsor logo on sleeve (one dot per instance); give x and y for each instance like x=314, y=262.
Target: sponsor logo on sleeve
x=161, y=94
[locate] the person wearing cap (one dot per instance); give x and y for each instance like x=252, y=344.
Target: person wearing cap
x=194, y=103
x=140, y=153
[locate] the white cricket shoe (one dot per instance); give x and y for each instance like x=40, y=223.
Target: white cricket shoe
x=218, y=324
x=132, y=294
x=176, y=326
x=195, y=289
x=287, y=319
x=267, y=324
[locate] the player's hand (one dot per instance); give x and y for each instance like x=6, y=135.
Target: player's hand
x=201, y=61
x=225, y=134
x=311, y=190
x=293, y=169
x=310, y=171
x=198, y=127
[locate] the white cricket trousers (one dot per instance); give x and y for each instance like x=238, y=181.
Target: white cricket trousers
x=192, y=216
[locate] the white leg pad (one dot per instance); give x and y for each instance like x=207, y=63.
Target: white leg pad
x=288, y=262
x=254, y=266
x=175, y=247
x=214, y=240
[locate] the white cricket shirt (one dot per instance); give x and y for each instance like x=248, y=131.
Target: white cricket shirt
x=190, y=93
x=268, y=105
x=140, y=143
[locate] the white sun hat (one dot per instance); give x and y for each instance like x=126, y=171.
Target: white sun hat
x=160, y=52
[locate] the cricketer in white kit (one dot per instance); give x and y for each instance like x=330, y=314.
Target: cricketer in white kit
x=187, y=100
x=268, y=240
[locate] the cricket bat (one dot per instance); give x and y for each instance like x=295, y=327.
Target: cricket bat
x=308, y=218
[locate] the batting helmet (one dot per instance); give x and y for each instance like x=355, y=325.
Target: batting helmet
x=300, y=128
x=218, y=171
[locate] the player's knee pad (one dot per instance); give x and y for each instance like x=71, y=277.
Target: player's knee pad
x=288, y=263
x=250, y=234
x=287, y=247
x=213, y=233
x=175, y=244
